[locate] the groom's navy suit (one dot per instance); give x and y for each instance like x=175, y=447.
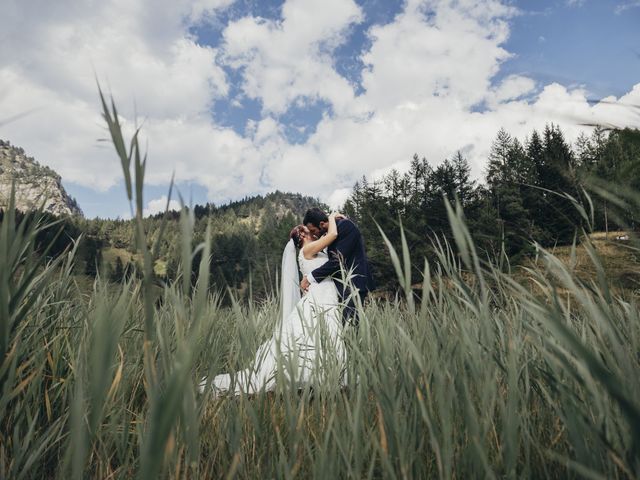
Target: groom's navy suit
x=347, y=252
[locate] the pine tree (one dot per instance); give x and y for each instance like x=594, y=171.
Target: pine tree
x=498, y=168
x=558, y=175
x=505, y=180
x=462, y=175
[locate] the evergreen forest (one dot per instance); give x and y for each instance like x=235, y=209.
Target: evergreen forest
x=530, y=197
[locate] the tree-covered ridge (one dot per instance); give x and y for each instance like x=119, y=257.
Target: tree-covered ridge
x=248, y=237
x=529, y=195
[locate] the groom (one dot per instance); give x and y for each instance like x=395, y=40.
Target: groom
x=346, y=254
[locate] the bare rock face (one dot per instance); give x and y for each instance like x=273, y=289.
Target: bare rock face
x=35, y=185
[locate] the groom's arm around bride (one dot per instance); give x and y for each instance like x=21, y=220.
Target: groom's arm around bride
x=346, y=252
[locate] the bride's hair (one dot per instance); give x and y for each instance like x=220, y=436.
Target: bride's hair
x=296, y=235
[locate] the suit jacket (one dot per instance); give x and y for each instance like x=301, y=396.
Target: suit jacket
x=347, y=251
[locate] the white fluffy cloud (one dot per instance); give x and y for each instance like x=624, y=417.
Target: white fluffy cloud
x=436, y=49
x=287, y=60
x=159, y=205
x=429, y=88
x=627, y=5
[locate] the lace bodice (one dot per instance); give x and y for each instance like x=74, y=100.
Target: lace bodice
x=308, y=266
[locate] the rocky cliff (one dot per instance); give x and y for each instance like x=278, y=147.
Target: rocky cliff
x=36, y=185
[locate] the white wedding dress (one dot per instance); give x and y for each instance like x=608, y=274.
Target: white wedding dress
x=306, y=347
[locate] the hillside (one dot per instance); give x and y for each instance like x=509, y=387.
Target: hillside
x=620, y=260
x=247, y=240
x=36, y=185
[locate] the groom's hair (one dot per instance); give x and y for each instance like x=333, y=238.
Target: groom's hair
x=314, y=216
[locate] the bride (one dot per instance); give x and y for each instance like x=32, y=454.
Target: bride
x=306, y=347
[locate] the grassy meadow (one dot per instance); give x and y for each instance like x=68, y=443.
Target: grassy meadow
x=498, y=372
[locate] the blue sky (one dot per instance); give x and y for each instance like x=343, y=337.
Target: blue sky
x=585, y=44
x=245, y=97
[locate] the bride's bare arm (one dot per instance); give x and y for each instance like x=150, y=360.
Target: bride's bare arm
x=311, y=248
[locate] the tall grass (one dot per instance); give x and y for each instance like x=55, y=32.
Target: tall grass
x=484, y=377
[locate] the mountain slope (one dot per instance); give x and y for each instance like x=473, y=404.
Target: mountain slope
x=35, y=184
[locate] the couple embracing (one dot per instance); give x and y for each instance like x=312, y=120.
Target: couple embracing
x=307, y=346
